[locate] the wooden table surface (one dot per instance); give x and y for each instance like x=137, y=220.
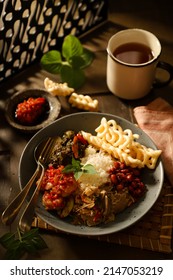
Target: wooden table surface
x=12, y=143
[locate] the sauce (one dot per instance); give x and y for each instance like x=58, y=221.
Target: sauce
x=31, y=111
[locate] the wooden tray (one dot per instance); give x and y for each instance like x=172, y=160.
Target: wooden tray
x=152, y=232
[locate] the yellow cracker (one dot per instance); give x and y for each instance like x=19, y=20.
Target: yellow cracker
x=122, y=145
x=57, y=89
x=84, y=102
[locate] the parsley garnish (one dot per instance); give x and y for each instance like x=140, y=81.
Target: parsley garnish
x=78, y=169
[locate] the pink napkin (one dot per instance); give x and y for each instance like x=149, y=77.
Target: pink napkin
x=156, y=119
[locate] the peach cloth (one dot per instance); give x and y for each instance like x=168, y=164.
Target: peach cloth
x=156, y=119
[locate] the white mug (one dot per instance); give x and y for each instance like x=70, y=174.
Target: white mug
x=129, y=77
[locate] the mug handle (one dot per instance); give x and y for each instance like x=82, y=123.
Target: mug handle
x=167, y=67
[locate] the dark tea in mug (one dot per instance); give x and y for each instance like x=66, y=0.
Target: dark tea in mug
x=133, y=53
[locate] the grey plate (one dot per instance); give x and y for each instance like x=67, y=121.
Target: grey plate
x=53, y=113
x=88, y=122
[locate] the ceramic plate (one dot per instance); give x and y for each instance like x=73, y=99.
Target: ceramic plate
x=88, y=122
x=51, y=114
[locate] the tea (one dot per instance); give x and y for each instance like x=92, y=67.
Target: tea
x=133, y=53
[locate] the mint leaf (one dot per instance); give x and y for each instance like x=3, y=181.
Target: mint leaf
x=77, y=62
x=74, y=77
x=71, y=47
x=87, y=57
x=52, y=62
x=70, y=62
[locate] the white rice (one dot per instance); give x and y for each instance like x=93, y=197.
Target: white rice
x=101, y=161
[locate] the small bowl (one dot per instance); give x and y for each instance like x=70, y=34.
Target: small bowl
x=50, y=115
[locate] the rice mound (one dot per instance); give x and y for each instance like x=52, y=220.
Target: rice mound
x=101, y=161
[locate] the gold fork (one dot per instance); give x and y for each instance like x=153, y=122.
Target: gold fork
x=12, y=210
x=27, y=216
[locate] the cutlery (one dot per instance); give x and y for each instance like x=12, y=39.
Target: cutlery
x=27, y=216
x=41, y=153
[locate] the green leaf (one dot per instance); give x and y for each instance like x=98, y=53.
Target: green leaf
x=74, y=77
x=15, y=253
x=68, y=169
x=39, y=242
x=30, y=234
x=77, y=62
x=7, y=239
x=18, y=245
x=78, y=169
x=87, y=57
x=78, y=174
x=76, y=164
x=71, y=47
x=52, y=62
x=33, y=241
x=89, y=168
x=75, y=58
x=74, y=167
x=28, y=246
x=14, y=249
